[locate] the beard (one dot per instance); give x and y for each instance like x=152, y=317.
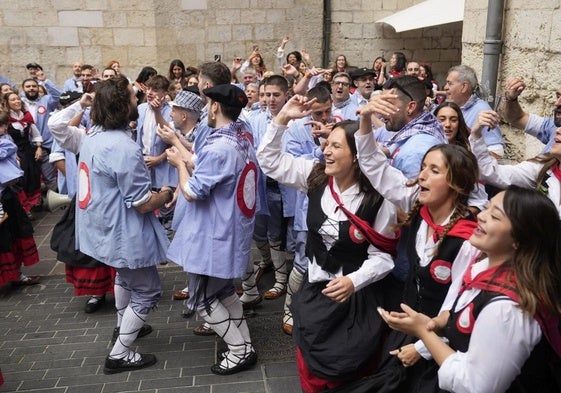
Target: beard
x=557, y=116
x=211, y=122
x=32, y=95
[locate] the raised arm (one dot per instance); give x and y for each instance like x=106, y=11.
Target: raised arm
x=514, y=113
x=390, y=182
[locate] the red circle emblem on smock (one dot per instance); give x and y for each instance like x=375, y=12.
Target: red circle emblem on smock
x=441, y=271
x=246, y=193
x=84, y=192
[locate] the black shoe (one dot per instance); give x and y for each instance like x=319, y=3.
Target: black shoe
x=114, y=366
x=246, y=363
x=144, y=331
x=94, y=306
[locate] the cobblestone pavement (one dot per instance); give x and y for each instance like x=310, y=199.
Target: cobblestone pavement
x=48, y=343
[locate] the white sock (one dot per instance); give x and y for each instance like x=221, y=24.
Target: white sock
x=219, y=320
x=235, y=308
x=122, y=300
x=130, y=326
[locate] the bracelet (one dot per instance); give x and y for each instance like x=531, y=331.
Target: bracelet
x=515, y=99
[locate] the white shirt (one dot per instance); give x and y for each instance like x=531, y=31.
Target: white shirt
x=294, y=171
x=502, y=339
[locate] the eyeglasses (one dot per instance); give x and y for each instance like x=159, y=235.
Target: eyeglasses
x=344, y=84
x=391, y=83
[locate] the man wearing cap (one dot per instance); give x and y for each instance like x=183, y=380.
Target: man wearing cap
x=363, y=80
x=33, y=68
x=218, y=224
x=185, y=113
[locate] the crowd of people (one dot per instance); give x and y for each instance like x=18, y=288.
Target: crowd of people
x=407, y=257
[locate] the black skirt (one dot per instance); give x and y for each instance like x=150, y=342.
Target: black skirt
x=337, y=340
x=63, y=240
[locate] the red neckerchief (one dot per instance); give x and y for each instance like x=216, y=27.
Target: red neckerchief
x=549, y=322
x=556, y=171
x=385, y=244
x=463, y=228
x=499, y=279
x=24, y=121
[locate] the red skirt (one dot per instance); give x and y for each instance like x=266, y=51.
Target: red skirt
x=92, y=281
x=23, y=252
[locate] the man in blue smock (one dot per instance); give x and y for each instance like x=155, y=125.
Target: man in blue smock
x=218, y=223
x=115, y=223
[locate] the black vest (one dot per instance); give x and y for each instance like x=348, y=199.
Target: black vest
x=345, y=252
x=427, y=286
x=539, y=372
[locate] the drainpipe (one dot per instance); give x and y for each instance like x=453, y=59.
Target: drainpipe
x=492, y=47
x=326, y=41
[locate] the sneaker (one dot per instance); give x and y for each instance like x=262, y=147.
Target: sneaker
x=114, y=366
x=244, y=364
x=144, y=331
x=94, y=303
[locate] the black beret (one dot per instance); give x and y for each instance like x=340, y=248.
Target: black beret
x=69, y=97
x=227, y=94
x=360, y=72
x=33, y=65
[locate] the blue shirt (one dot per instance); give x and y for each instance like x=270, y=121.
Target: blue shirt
x=9, y=167
x=113, y=180
x=214, y=235
x=162, y=174
x=471, y=110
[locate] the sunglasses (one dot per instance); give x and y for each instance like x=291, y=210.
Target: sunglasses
x=391, y=83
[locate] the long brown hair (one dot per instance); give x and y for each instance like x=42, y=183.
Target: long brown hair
x=461, y=176
x=536, y=230
x=318, y=177
x=463, y=130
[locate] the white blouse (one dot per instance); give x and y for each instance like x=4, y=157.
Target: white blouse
x=502, y=339
x=294, y=171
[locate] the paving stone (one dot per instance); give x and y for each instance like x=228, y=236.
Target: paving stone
x=48, y=344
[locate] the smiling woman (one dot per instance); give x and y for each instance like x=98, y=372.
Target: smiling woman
x=433, y=250
x=350, y=242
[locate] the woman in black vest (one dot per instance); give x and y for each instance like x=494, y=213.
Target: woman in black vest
x=350, y=245
x=503, y=326
x=433, y=248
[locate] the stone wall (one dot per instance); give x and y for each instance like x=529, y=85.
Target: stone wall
x=55, y=33
x=532, y=45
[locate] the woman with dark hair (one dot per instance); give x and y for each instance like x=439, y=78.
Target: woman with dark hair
x=503, y=319
x=379, y=67
x=28, y=139
x=426, y=73
x=398, y=64
x=177, y=72
x=139, y=84
x=17, y=245
x=450, y=116
x=350, y=245
x=255, y=61
x=341, y=65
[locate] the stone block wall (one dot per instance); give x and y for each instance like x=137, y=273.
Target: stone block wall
x=532, y=38
x=55, y=33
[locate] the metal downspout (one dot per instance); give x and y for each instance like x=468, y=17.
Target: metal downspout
x=492, y=48
x=326, y=41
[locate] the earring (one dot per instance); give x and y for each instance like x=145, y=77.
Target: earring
x=212, y=117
